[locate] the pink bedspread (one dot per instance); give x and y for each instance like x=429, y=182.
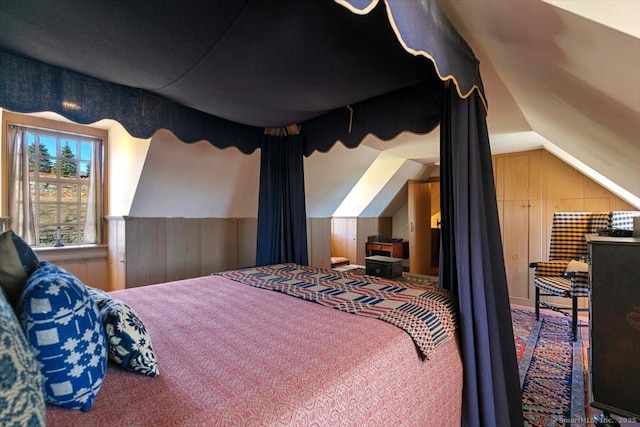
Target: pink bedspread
x=234, y=355
x=426, y=312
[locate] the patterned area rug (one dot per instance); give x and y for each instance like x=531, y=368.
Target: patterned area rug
x=551, y=369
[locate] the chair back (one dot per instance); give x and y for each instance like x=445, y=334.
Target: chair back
x=599, y=220
x=623, y=220
x=568, y=230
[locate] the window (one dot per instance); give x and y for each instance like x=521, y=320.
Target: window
x=55, y=194
x=59, y=172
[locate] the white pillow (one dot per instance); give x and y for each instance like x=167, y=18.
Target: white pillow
x=574, y=266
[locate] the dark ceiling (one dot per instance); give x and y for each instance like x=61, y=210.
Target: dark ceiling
x=262, y=63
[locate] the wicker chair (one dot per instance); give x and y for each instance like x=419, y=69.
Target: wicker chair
x=568, y=243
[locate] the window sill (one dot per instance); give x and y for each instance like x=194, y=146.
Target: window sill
x=68, y=253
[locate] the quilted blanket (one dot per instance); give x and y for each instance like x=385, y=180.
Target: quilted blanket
x=427, y=313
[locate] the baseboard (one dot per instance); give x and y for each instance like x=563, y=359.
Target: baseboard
x=522, y=302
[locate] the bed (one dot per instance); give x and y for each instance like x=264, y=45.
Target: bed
x=238, y=349
x=437, y=83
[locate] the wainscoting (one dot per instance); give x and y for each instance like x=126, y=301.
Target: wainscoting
x=144, y=251
x=87, y=263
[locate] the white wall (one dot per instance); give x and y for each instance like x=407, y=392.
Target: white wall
x=196, y=180
x=400, y=223
x=126, y=157
x=409, y=170
x=330, y=176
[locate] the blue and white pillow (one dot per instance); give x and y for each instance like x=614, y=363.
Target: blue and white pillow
x=129, y=342
x=62, y=323
x=21, y=382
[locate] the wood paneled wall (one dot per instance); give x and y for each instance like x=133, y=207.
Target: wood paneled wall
x=419, y=213
x=89, y=264
x=319, y=242
x=349, y=235
x=144, y=251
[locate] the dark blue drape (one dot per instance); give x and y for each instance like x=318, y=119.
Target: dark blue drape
x=472, y=265
x=28, y=86
x=425, y=31
x=282, y=217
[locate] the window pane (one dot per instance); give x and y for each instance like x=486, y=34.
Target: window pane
x=38, y=153
x=47, y=146
x=71, y=145
x=69, y=233
x=84, y=193
x=84, y=170
x=85, y=150
x=55, y=169
x=47, y=235
x=48, y=191
x=68, y=213
x=68, y=163
x=45, y=166
x=48, y=213
x=69, y=192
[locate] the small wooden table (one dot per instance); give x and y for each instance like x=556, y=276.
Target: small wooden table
x=392, y=249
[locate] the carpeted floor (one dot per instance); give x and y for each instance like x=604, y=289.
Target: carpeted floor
x=551, y=369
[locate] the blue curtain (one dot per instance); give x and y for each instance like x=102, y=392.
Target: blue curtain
x=472, y=265
x=282, y=217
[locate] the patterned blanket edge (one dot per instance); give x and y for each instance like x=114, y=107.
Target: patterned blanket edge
x=427, y=313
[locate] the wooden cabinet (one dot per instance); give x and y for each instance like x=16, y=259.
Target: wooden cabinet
x=614, y=324
x=530, y=187
x=518, y=192
x=419, y=210
x=319, y=242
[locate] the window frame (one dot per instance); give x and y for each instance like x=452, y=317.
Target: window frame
x=57, y=126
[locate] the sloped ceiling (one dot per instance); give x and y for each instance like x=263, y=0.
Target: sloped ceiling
x=572, y=69
x=559, y=75
x=563, y=75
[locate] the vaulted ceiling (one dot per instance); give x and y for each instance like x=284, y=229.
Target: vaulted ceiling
x=559, y=74
x=563, y=75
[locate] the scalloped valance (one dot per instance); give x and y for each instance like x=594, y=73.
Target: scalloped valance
x=340, y=75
